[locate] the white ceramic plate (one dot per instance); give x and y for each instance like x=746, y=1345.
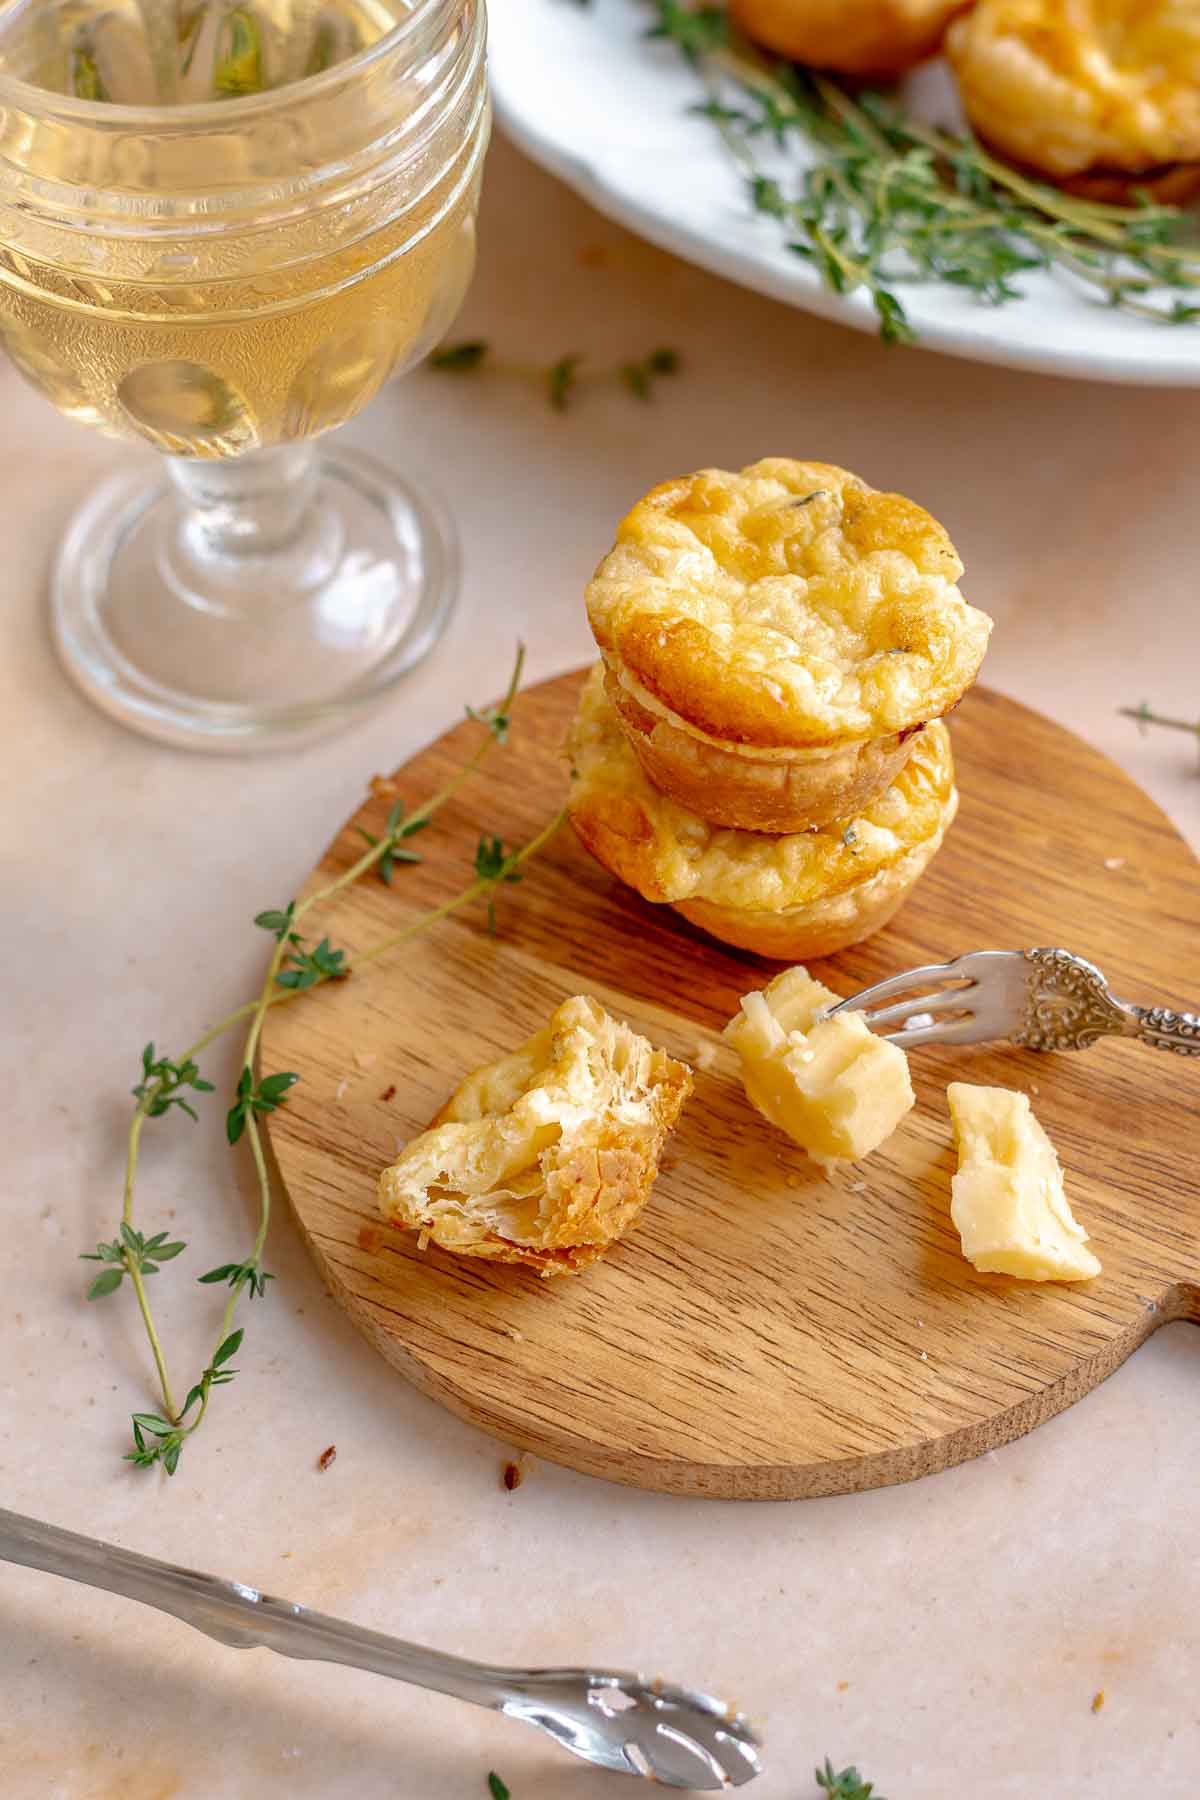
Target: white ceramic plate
x=581, y=90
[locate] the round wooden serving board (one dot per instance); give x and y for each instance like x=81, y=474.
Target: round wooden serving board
x=765, y=1332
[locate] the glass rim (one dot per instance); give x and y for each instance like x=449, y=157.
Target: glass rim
x=32, y=101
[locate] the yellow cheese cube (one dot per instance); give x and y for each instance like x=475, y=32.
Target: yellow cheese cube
x=1007, y=1198
x=834, y=1087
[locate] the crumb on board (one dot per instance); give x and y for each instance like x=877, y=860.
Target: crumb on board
x=340, y=1089
x=369, y=1237
x=511, y=1476
x=518, y=1337
x=365, y=1059
x=858, y=1187
x=327, y=1456
x=1097, y=1700
x=383, y=787
x=924, y=1356
x=1114, y=862
x=389, y=1093
x=704, y=1055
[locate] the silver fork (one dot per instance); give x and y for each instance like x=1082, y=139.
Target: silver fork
x=1043, y=999
x=671, y=1735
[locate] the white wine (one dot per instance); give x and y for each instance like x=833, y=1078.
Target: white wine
x=226, y=375
x=223, y=225
x=285, y=319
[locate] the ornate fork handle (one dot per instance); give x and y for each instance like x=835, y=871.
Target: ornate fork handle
x=1070, y=1005
x=1167, y=1030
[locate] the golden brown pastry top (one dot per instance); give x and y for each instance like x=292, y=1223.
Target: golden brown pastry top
x=547, y=1155
x=1072, y=85
x=669, y=854
x=789, y=605
x=855, y=37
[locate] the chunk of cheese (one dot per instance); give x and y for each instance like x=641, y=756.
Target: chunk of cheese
x=1007, y=1198
x=835, y=1088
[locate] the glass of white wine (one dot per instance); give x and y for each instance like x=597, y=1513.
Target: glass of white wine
x=222, y=228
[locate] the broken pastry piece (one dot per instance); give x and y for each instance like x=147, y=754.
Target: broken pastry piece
x=1007, y=1199
x=547, y=1156
x=835, y=1088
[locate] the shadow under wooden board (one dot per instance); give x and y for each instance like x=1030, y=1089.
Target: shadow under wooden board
x=765, y=1333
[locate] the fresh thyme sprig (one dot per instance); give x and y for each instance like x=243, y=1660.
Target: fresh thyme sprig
x=561, y=380
x=492, y=867
x=844, y=1784
x=1146, y=716
x=293, y=971
x=161, y=1080
x=129, y=1251
x=878, y=199
x=397, y=828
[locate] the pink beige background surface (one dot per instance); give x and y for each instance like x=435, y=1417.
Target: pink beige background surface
x=948, y=1636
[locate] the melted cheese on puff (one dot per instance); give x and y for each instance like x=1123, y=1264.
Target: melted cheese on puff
x=789, y=605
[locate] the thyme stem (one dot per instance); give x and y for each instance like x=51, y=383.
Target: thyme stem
x=131, y=1253
x=877, y=199
x=1144, y=716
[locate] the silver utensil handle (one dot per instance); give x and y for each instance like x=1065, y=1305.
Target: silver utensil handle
x=244, y=1618
x=1168, y=1030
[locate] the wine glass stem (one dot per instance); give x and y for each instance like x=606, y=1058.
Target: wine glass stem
x=245, y=506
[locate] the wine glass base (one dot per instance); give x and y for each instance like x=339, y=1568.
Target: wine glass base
x=252, y=652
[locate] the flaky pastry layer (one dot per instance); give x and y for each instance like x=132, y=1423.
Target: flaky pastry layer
x=1071, y=86
x=788, y=606
x=857, y=37
x=825, y=926
x=765, y=790
x=547, y=1156
x=669, y=853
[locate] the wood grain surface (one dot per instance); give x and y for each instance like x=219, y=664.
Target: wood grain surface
x=766, y=1332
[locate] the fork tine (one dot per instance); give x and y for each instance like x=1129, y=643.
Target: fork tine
x=897, y=984
x=948, y=999
x=971, y=1030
